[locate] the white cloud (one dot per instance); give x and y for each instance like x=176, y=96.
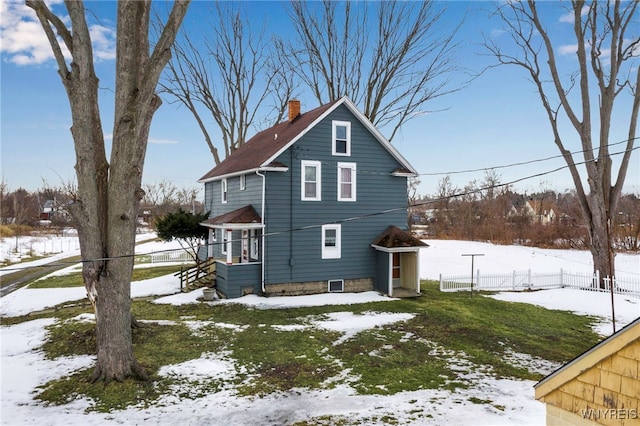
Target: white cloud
x=23, y=41
x=163, y=141
x=567, y=49
x=569, y=17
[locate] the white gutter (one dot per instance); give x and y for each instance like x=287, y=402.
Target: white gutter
x=262, y=213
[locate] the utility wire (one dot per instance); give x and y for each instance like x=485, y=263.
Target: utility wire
x=345, y=220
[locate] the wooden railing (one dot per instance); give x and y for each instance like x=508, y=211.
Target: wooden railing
x=204, y=273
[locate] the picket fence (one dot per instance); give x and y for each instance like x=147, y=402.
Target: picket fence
x=528, y=280
x=178, y=255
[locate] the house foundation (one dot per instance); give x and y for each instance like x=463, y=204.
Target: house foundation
x=315, y=287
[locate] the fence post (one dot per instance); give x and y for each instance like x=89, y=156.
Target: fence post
x=529, y=283
x=513, y=280
x=440, y=282
x=477, y=280
x=561, y=278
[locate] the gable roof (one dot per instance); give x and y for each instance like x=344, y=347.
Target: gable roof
x=260, y=152
x=394, y=237
x=588, y=359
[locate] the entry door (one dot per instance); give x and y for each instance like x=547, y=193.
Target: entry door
x=245, y=246
x=395, y=270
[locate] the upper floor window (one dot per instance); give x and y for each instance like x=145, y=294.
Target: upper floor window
x=224, y=190
x=346, y=181
x=310, y=180
x=243, y=182
x=331, y=241
x=341, y=137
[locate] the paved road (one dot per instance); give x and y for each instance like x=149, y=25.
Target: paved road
x=14, y=280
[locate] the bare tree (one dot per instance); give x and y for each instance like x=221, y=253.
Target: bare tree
x=606, y=55
x=391, y=58
x=108, y=193
x=231, y=81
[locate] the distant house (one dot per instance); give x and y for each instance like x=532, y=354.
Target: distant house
x=601, y=386
x=47, y=210
x=540, y=211
x=315, y=204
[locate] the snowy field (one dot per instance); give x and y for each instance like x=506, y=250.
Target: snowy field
x=23, y=367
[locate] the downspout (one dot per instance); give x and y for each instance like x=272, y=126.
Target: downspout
x=262, y=213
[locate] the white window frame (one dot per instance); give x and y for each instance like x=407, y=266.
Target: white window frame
x=243, y=182
x=334, y=125
x=211, y=245
x=332, y=252
x=303, y=169
x=225, y=239
x=352, y=167
x=254, y=244
x=335, y=282
x=224, y=190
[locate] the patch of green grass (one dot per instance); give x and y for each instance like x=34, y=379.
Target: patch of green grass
x=74, y=279
x=425, y=352
x=154, y=346
x=388, y=363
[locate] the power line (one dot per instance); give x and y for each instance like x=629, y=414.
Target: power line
x=349, y=219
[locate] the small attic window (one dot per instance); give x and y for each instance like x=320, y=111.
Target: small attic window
x=341, y=138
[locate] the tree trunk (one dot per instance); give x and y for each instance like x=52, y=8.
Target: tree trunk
x=601, y=241
x=107, y=200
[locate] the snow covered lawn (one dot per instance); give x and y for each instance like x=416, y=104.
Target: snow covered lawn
x=487, y=401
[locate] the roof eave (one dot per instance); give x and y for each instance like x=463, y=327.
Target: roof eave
x=398, y=249
x=244, y=172
x=233, y=226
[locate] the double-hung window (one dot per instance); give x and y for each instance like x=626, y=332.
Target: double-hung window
x=331, y=241
x=311, y=179
x=224, y=190
x=225, y=241
x=346, y=181
x=341, y=138
x=254, y=244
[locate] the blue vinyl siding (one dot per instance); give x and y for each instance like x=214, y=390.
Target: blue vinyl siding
x=236, y=198
x=294, y=254
x=231, y=280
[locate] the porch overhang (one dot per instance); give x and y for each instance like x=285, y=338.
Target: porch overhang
x=399, y=257
x=243, y=218
x=395, y=240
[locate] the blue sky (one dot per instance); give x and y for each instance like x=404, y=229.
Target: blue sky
x=496, y=119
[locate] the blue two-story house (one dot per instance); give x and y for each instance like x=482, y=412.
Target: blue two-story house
x=315, y=204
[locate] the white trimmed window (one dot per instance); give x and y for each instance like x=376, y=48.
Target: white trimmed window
x=224, y=190
x=211, y=245
x=346, y=181
x=341, y=138
x=331, y=241
x=311, y=178
x=225, y=240
x=243, y=182
x=254, y=244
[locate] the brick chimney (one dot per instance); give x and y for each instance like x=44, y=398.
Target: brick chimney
x=294, y=109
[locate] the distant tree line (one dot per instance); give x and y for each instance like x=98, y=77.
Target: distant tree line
x=48, y=206
x=488, y=211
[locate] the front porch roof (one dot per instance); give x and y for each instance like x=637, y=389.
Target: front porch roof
x=394, y=239
x=243, y=218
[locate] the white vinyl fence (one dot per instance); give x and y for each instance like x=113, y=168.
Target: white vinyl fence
x=528, y=280
x=178, y=255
